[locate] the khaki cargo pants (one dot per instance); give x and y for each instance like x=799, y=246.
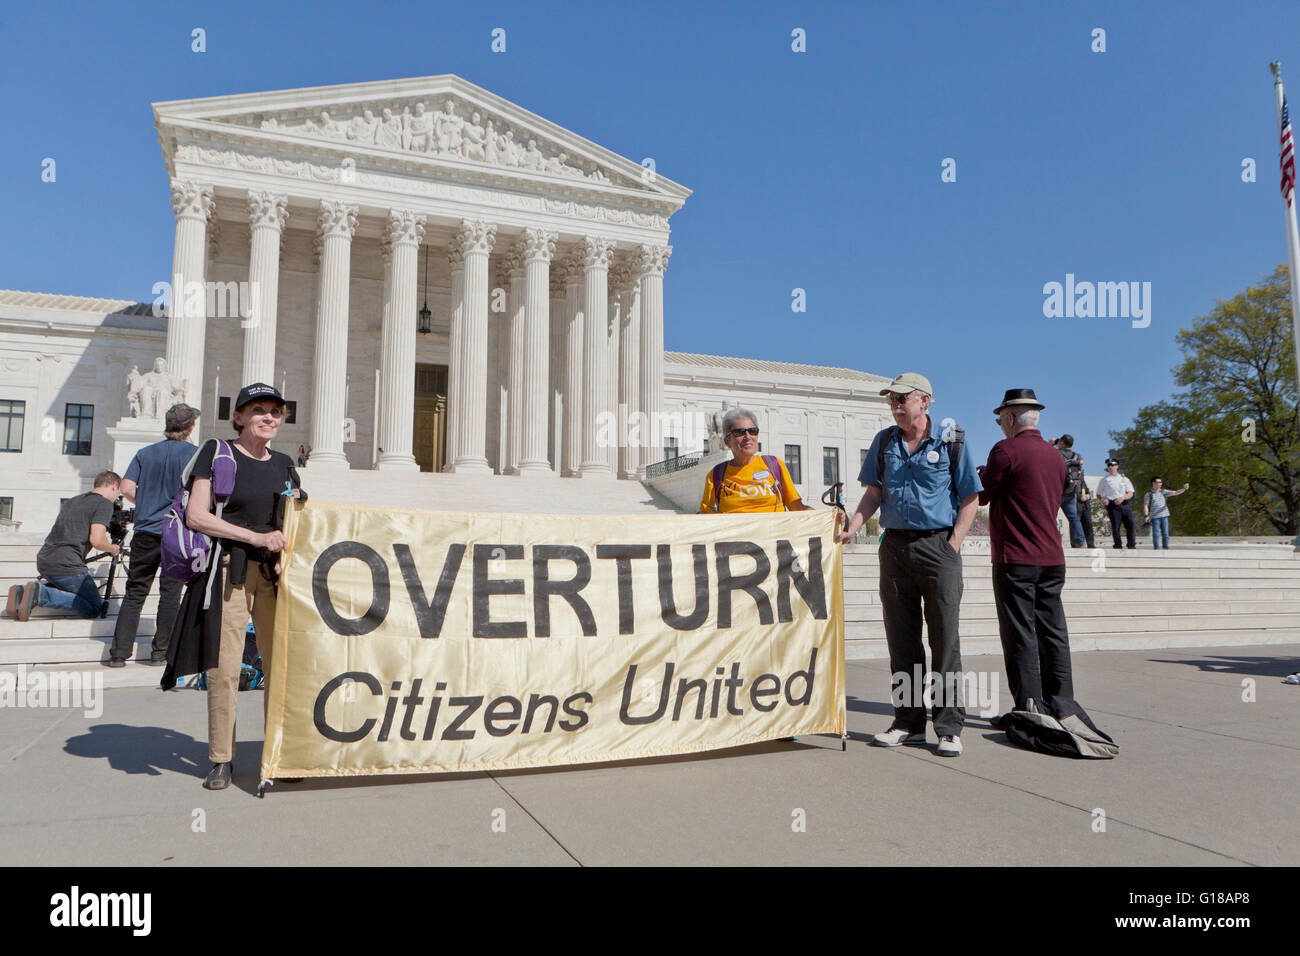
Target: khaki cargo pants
x=255, y=597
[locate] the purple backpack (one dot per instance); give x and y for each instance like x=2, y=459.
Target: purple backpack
x=186, y=553
x=773, y=465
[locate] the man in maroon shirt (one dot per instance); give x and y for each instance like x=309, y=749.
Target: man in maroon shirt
x=1023, y=483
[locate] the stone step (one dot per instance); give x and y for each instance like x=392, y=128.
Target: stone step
x=1085, y=597
x=985, y=627
x=876, y=648
x=976, y=610
x=67, y=650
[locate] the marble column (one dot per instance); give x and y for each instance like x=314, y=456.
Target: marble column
x=573, y=373
x=338, y=224
x=652, y=260
x=615, y=432
x=512, y=452
x=187, y=319
x=267, y=213
x=456, y=340
x=538, y=249
x=595, y=355
x=476, y=239
x=629, y=372
x=397, y=351
x=555, y=393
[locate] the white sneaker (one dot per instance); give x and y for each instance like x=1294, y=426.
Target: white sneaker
x=1292, y=678
x=895, y=736
x=949, y=746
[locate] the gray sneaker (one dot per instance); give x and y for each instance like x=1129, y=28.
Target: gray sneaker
x=896, y=736
x=949, y=746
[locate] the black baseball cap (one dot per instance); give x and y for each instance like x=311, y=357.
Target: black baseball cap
x=251, y=393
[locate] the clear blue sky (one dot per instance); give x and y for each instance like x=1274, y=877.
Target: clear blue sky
x=818, y=170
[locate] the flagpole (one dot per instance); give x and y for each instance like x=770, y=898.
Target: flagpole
x=1292, y=236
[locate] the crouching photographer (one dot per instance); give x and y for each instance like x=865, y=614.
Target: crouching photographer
x=65, y=580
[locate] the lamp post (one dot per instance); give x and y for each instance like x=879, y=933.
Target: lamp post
x=425, y=325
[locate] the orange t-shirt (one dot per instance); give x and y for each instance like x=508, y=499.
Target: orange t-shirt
x=750, y=489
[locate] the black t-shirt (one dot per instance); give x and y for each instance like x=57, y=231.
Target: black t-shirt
x=258, y=486
x=65, y=549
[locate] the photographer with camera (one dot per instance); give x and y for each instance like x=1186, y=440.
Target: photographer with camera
x=151, y=480
x=65, y=581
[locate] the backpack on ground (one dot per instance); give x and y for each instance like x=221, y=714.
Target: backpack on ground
x=955, y=439
x=1061, y=727
x=1073, y=474
x=773, y=466
x=187, y=554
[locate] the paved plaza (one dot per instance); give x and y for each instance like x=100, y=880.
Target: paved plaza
x=1204, y=778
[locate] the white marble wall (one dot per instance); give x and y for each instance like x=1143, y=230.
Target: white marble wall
x=47, y=369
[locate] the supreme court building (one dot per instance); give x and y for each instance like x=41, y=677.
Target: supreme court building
x=440, y=279
x=437, y=280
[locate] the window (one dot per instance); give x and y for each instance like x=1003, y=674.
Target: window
x=670, y=448
x=223, y=408
x=290, y=413
x=78, y=426
x=792, y=462
x=12, y=414
x=830, y=465
x=7, y=509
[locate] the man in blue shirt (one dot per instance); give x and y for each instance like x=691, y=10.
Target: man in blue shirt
x=921, y=477
x=151, y=481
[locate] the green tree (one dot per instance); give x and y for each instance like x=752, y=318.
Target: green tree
x=1239, y=379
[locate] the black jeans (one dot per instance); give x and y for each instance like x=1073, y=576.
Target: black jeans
x=1121, y=513
x=1031, y=622
x=921, y=569
x=146, y=556
x=1085, y=519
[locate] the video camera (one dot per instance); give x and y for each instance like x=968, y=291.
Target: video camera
x=118, y=524
x=117, y=528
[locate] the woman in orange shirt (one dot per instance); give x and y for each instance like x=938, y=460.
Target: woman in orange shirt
x=748, y=483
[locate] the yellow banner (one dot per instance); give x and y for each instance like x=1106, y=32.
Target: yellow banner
x=418, y=642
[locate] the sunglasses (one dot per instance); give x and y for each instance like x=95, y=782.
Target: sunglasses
x=737, y=432
x=896, y=399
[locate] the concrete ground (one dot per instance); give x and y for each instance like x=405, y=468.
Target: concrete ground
x=1205, y=777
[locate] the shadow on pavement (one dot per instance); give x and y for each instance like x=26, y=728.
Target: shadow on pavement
x=149, y=750
x=1256, y=666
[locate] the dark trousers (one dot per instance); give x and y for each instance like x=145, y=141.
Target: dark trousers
x=146, y=556
x=1121, y=513
x=1031, y=621
x=920, y=569
x=1085, y=519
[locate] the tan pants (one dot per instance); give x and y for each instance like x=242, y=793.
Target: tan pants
x=255, y=597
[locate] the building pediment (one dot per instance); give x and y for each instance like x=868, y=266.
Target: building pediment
x=430, y=122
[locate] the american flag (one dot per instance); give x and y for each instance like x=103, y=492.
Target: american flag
x=1288, y=155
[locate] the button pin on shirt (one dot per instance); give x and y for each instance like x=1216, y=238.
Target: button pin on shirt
x=932, y=456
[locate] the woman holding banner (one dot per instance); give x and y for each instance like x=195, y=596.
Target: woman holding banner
x=750, y=482
x=210, y=630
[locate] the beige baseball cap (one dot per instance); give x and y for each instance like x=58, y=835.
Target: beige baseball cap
x=907, y=383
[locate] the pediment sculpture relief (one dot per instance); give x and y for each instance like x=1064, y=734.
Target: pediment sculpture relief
x=439, y=132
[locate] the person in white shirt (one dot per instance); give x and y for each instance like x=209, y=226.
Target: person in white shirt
x=1116, y=491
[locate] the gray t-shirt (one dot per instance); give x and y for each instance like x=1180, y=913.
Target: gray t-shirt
x=68, y=543
x=1156, y=504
